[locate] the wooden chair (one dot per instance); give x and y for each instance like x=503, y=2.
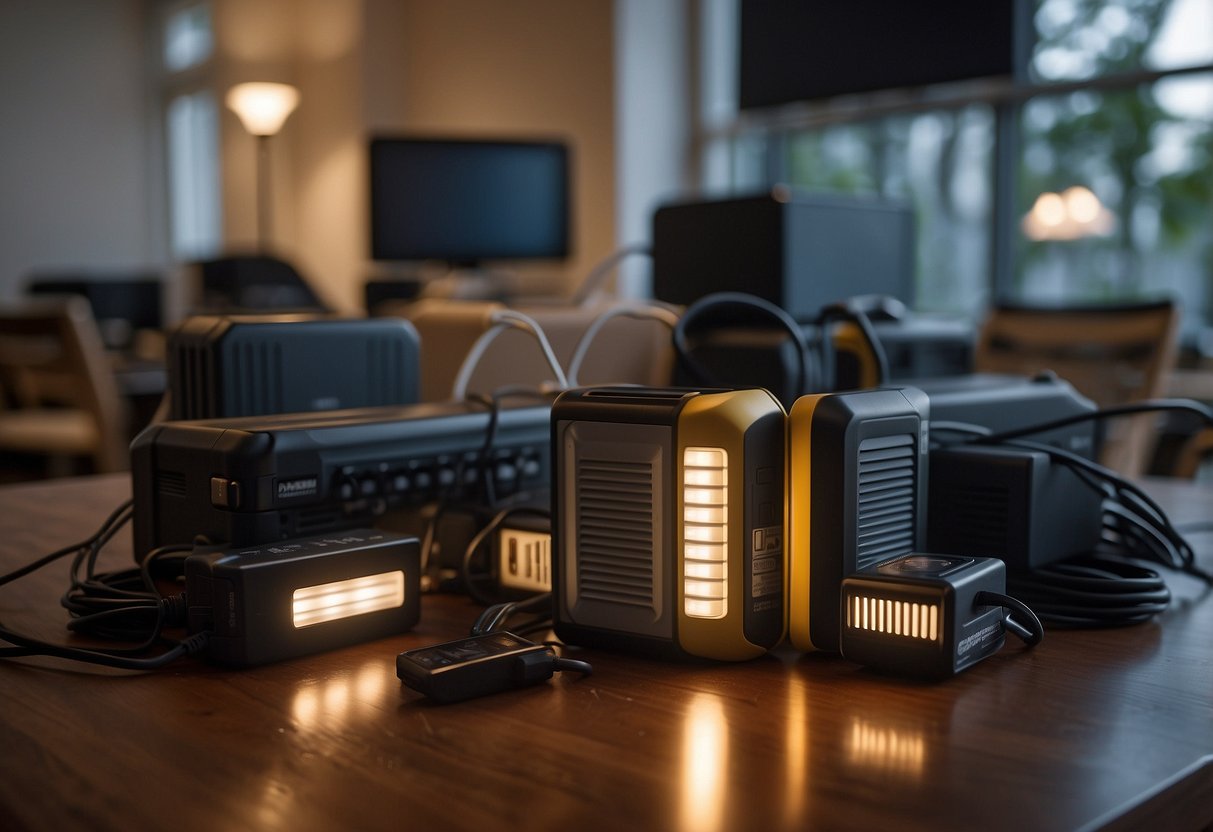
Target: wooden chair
x=59, y=395
x=1112, y=354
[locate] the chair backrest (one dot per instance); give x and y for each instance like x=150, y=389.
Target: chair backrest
x=52, y=355
x=1112, y=354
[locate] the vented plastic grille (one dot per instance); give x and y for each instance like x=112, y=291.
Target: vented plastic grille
x=615, y=504
x=895, y=618
x=386, y=374
x=193, y=391
x=886, y=515
x=171, y=483
x=257, y=379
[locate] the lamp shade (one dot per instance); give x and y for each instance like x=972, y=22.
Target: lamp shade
x=262, y=106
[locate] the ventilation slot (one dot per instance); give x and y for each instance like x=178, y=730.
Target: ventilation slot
x=257, y=386
x=171, y=483
x=615, y=504
x=385, y=370
x=886, y=513
x=192, y=387
x=318, y=520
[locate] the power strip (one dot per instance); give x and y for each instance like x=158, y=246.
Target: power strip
x=524, y=559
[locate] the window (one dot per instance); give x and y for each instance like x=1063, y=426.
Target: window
x=191, y=131
x=1113, y=120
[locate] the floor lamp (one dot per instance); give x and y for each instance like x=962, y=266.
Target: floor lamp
x=262, y=108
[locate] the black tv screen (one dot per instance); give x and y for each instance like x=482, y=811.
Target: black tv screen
x=467, y=200
x=801, y=50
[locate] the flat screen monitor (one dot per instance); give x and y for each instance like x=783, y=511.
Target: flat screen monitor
x=468, y=200
x=801, y=50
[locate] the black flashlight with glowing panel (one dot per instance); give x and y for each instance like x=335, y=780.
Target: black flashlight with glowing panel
x=668, y=508
x=931, y=616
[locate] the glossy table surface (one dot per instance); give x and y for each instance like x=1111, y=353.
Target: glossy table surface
x=1091, y=729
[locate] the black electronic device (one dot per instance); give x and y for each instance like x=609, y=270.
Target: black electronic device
x=259, y=479
x=813, y=49
x=467, y=200
x=668, y=519
x=276, y=601
x=1014, y=504
x=1006, y=402
x=798, y=251
x=929, y=615
x=857, y=476
x=221, y=366
x=478, y=666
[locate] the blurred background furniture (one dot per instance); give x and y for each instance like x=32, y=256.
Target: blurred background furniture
x=124, y=306
x=251, y=283
x=1112, y=354
x=60, y=399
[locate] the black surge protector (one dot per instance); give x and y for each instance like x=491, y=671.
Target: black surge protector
x=259, y=479
x=1017, y=505
x=220, y=366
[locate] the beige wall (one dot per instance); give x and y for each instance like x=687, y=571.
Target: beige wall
x=459, y=67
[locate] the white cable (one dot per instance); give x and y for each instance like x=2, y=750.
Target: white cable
x=501, y=320
x=653, y=312
x=602, y=271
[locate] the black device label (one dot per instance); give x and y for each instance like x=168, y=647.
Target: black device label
x=298, y=487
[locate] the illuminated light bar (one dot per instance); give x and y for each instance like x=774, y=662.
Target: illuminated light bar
x=344, y=599
x=898, y=618
x=705, y=498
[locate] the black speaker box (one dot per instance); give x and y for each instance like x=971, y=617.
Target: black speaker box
x=797, y=251
x=223, y=366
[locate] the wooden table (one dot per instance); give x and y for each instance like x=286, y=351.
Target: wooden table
x=1092, y=728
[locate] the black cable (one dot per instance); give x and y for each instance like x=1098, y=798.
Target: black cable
x=496, y=616
x=576, y=665
x=1095, y=591
x=850, y=311
x=739, y=300
x=1145, y=406
x=1031, y=632
x=114, y=605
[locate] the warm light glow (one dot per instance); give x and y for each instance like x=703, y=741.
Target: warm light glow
x=705, y=533
x=713, y=568
x=714, y=514
x=887, y=749
x=705, y=756
x=797, y=768
x=1070, y=215
x=342, y=599
x=1081, y=205
x=705, y=458
x=262, y=106
x=715, y=477
x=899, y=618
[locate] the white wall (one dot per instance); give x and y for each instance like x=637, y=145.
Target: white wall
x=74, y=190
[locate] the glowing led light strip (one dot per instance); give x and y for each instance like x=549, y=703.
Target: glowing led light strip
x=705, y=501
x=898, y=618
x=342, y=599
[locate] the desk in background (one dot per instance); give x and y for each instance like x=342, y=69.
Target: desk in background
x=1093, y=728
